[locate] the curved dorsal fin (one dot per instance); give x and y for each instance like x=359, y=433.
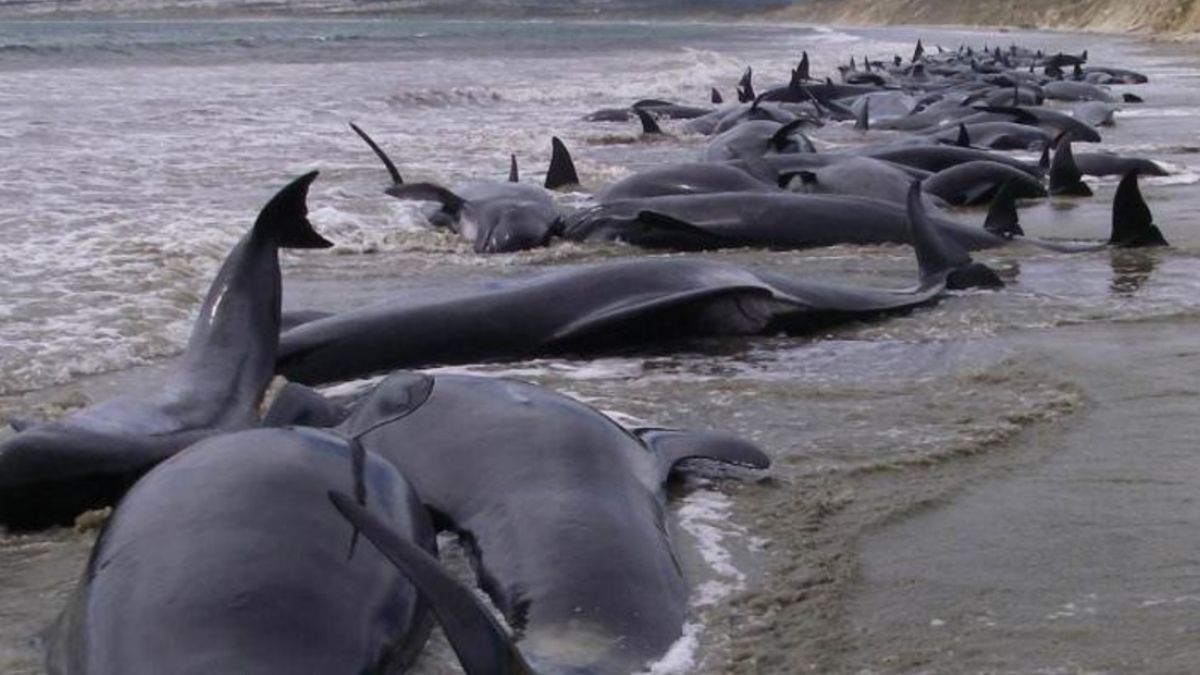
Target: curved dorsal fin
x=1132, y=223
x=863, y=122
x=1065, y=177
x=941, y=261
x=1002, y=219
x=514, y=176
x=562, y=169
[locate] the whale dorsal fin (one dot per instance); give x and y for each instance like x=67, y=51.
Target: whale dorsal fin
x=398, y=396
x=746, y=87
x=941, y=260
x=716, y=97
x=562, y=169
x=672, y=446
x=863, y=123
x=964, y=137
x=1002, y=219
x=514, y=175
x=298, y=405
x=286, y=217
x=387, y=161
x=1065, y=177
x=649, y=125
x=802, y=71
x=1132, y=223
x=482, y=646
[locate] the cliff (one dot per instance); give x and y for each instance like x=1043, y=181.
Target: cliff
x=1142, y=16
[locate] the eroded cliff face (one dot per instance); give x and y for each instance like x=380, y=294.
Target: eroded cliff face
x=1142, y=16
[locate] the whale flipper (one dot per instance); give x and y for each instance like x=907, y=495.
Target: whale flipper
x=780, y=139
x=638, y=308
x=702, y=238
x=298, y=405
x=562, y=169
x=387, y=161
x=286, y=217
x=672, y=446
x=396, y=397
x=1002, y=217
x=649, y=125
x=482, y=646
x=1132, y=223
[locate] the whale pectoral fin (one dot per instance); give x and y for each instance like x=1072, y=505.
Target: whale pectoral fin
x=700, y=237
x=298, y=405
x=396, y=397
x=637, y=310
x=482, y=645
x=672, y=446
x=975, y=193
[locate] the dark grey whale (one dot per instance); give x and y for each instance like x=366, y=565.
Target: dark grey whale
x=51, y=472
x=977, y=182
x=496, y=216
x=227, y=558
x=776, y=221
x=584, y=310
x=561, y=509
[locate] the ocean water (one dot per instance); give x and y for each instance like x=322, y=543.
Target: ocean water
x=137, y=152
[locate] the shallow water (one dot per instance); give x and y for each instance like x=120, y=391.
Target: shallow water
x=136, y=153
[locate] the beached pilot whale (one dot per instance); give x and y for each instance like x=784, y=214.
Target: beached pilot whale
x=227, y=558
x=562, y=509
x=619, y=305
x=51, y=472
x=496, y=216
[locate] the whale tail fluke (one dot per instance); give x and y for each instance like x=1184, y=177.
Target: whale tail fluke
x=482, y=645
x=286, y=217
x=1132, y=223
x=429, y=192
x=940, y=260
x=562, y=168
x=387, y=161
x=1002, y=219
